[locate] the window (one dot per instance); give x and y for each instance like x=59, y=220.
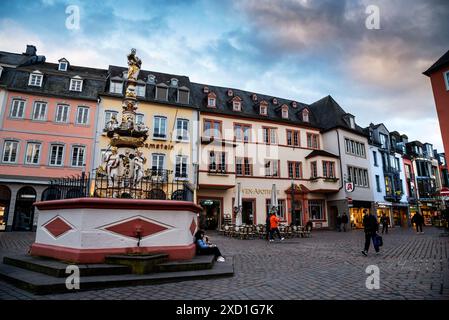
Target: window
x=32, y=153
x=242, y=132
x=116, y=87
x=272, y=168
x=108, y=116
x=160, y=126
x=316, y=209
x=398, y=164
x=161, y=93
x=236, y=106
x=183, y=96
x=281, y=208
x=39, y=111
x=211, y=100
x=383, y=140
x=294, y=169
x=76, y=85
x=62, y=113
x=313, y=141
x=78, y=155
x=313, y=170
x=358, y=176
x=263, y=109
x=352, y=122
x=181, y=167
x=217, y=161
x=269, y=135
x=243, y=167
x=158, y=162
x=212, y=128
x=35, y=79
x=140, y=90
x=10, y=151
x=293, y=138
x=82, y=115
x=56, y=155
x=375, y=158
x=140, y=118
x=182, y=129
x=446, y=80
x=378, y=184
x=285, y=112
x=305, y=115
x=17, y=108
x=328, y=169
x=174, y=82
x=355, y=148
x=62, y=66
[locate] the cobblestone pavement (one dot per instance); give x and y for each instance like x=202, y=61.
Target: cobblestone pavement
x=329, y=265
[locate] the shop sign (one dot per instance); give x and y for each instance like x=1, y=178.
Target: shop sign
x=160, y=146
x=258, y=191
x=349, y=186
x=208, y=202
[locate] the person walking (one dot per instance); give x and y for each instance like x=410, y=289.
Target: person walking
x=344, y=221
x=418, y=220
x=385, y=220
x=274, y=223
x=371, y=227
x=339, y=223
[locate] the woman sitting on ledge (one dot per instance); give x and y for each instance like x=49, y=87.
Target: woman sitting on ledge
x=204, y=247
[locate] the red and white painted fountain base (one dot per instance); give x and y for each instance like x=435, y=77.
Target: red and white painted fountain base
x=85, y=230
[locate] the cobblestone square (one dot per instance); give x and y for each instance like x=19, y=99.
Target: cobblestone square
x=327, y=266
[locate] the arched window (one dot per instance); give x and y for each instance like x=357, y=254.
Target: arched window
x=24, y=209
x=51, y=193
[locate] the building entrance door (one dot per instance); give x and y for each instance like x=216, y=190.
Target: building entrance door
x=210, y=215
x=24, y=209
x=248, y=212
x=5, y=199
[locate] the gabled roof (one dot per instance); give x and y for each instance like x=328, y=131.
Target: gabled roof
x=330, y=115
x=317, y=153
x=442, y=62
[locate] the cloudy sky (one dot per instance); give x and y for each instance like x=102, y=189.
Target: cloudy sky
x=295, y=49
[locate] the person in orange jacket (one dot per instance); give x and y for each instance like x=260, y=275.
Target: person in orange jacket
x=274, y=223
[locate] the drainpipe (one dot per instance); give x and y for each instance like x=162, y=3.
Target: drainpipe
x=341, y=165
x=94, y=149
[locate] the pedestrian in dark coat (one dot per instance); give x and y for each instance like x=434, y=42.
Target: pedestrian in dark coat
x=344, y=221
x=418, y=220
x=371, y=228
x=385, y=220
x=339, y=223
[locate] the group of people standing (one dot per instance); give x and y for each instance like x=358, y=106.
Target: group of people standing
x=342, y=222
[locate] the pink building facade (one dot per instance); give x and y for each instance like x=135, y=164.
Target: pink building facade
x=47, y=130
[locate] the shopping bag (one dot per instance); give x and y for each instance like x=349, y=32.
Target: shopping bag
x=378, y=240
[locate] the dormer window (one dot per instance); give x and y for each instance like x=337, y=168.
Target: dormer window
x=230, y=93
x=116, y=86
x=206, y=90
x=284, y=112
x=1, y=71
x=211, y=100
x=263, y=108
x=76, y=84
x=352, y=122
x=140, y=90
x=183, y=95
x=63, y=64
x=305, y=115
x=35, y=79
x=151, y=79
x=275, y=101
x=236, y=106
x=125, y=75
x=294, y=104
x=162, y=92
x=174, y=82
x=254, y=97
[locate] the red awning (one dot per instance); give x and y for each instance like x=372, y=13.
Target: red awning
x=444, y=192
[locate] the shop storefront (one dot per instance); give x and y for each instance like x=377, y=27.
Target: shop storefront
x=209, y=218
x=357, y=212
x=400, y=216
x=384, y=209
x=429, y=211
x=5, y=199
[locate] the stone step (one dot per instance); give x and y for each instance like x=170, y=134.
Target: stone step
x=197, y=263
x=39, y=283
x=56, y=268
x=139, y=263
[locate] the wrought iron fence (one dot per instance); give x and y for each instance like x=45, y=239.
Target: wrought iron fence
x=156, y=184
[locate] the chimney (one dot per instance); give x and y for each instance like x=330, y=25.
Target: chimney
x=31, y=50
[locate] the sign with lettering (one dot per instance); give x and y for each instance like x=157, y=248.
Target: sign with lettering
x=160, y=146
x=257, y=191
